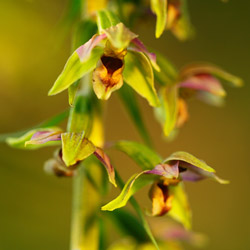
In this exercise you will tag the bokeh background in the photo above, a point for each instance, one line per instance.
(35, 208)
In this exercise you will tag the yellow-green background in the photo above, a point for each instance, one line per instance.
(35, 208)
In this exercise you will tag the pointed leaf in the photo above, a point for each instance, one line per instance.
(159, 7)
(180, 210)
(106, 19)
(19, 142)
(129, 99)
(139, 75)
(142, 155)
(188, 158)
(80, 63)
(135, 183)
(99, 153)
(75, 147)
(168, 110)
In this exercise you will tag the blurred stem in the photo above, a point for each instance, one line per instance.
(138, 210)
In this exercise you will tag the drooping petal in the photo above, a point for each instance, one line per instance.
(81, 62)
(75, 147)
(107, 77)
(206, 68)
(192, 173)
(204, 82)
(41, 138)
(159, 7)
(140, 47)
(119, 36)
(99, 153)
(138, 74)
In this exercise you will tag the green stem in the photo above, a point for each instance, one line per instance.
(78, 211)
(138, 211)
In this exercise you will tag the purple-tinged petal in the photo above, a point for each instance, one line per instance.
(166, 170)
(99, 153)
(140, 47)
(204, 82)
(85, 50)
(189, 172)
(41, 137)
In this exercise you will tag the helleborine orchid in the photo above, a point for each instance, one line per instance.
(200, 80)
(114, 55)
(166, 177)
(75, 147)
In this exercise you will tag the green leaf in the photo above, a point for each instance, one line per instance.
(119, 36)
(129, 225)
(75, 69)
(159, 7)
(146, 158)
(167, 112)
(106, 19)
(186, 157)
(180, 210)
(138, 74)
(75, 147)
(20, 142)
(168, 74)
(135, 183)
(129, 99)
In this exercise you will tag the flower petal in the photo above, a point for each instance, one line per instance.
(204, 82)
(159, 7)
(206, 68)
(166, 170)
(188, 158)
(136, 182)
(75, 147)
(138, 74)
(81, 62)
(140, 47)
(99, 153)
(119, 36)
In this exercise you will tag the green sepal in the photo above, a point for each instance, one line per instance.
(145, 157)
(75, 147)
(188, 158)
(135, 183)
(130, 103)
(106, 19)
(75, 69)
(20, 142)
(167, 112)
(159, 7)
(138, 74)
(180, 210)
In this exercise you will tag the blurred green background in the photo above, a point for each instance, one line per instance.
(35, 208)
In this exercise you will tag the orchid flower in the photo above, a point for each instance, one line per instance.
(113, 56)
(75, 148)
(166, 178)
(201, 80)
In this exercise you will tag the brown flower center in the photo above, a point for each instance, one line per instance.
(111, 63)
